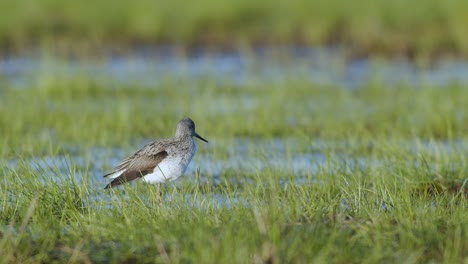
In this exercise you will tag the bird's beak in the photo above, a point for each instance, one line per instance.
(198, 136)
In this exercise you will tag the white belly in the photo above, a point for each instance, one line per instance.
(168, 170)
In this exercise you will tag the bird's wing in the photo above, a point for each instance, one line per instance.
(147, 150)
(138, 168)
(139, 164)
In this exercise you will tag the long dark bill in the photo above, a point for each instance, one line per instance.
(198, 136)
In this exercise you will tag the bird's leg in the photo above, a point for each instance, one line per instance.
(159, 194)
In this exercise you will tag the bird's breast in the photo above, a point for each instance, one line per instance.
(174, 165)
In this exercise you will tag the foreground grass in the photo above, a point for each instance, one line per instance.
(428, 28)
(388, 214)
(407, 202)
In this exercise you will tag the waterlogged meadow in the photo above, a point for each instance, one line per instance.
(305, 164)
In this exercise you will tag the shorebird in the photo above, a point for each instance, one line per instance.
(160, 161)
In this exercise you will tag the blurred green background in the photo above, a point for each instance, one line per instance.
(366, 27)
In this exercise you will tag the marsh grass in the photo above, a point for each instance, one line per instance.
(392, 187)
(365, 214)
(84, 111)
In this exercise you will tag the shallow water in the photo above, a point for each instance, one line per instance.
(324, 66)
(290, 160)
(290, 157)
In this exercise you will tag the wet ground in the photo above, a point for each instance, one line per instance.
(323, 66)
(246, 155)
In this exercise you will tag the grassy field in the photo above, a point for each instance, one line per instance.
(407, 202)
(428, 28)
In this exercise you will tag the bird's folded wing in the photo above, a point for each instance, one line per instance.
(152, 149)
(136, 167)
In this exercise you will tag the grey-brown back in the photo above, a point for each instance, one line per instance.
(147, 158)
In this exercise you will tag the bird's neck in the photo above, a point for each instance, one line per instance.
(183, 136)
